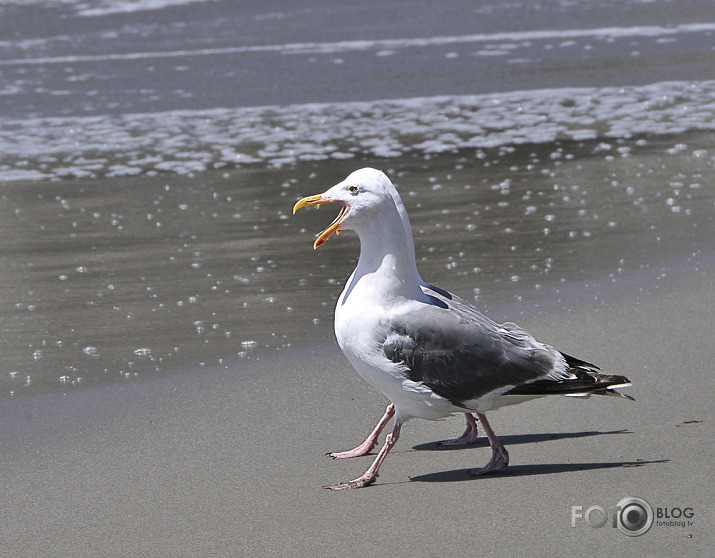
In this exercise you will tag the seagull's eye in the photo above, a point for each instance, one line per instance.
(353, 189)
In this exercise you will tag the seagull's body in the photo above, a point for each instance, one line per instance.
(429, 352)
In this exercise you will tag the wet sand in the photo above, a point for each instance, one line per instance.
(227, 464)
(116, 280)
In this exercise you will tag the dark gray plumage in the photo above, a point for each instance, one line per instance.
(461, 355)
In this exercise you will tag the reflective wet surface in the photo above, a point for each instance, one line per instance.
(115, 279)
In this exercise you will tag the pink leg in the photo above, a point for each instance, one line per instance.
(470, 434)
(371, 474)
(500, 457)
(371, 441)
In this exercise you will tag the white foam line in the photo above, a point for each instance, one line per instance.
(358, 45)
(131, 6)
(185, 141)
(107, 7)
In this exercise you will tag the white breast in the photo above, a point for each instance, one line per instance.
(361, 332)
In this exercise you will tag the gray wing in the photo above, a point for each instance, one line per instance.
(461, 355)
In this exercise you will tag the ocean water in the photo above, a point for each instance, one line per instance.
(151, 152)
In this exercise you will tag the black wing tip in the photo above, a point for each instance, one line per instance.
(574, 362)
(584, 383)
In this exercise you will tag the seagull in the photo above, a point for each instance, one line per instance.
(429, 352)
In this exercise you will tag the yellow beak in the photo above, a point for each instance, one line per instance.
(334, 227)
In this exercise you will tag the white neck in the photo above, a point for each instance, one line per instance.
(386, 268)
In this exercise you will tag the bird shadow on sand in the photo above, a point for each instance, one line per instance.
(482, 442)
(529, 470)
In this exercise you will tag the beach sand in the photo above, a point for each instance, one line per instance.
(226, 464)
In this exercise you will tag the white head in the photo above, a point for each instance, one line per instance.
(368, 199)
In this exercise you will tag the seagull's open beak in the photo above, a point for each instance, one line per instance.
(334, 227)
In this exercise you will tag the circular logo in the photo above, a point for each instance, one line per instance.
(634, 516)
